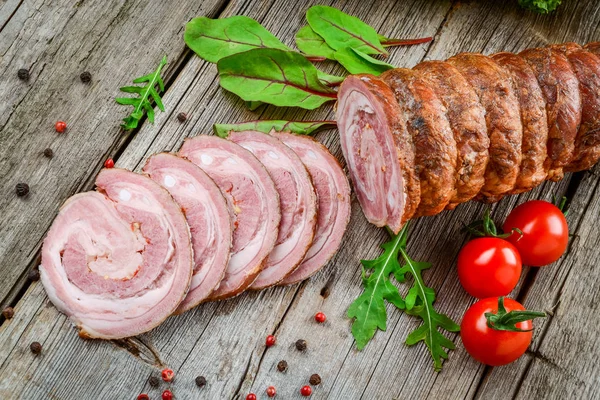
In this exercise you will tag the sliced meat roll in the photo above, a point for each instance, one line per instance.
(207, 215)
(467, 120)
(435, 147)
(118, 261)
(333, 195)
(254, 203)
(494, 87)
(378, 150)
(586, 65)
(534, 163)
(297, 200)
(560, 87)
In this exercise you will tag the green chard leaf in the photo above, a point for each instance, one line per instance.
(330, 80)
(147, 94)
(214, 39)
(312, 44)
(281, 78)
(266, 126)
(340, 30)
(388, 42)
(357, 62)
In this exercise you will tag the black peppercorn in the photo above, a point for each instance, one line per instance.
(282, 366)
(22, 189)
(48, 152)
(182, 117)
(154, 381)
(200, 381)
(35, 348)
(301, 345)
(8, 312)
(85, 77)
(315, 379)
(23, 74)
(34, 275)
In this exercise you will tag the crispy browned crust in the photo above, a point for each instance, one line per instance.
(467, 120)
(534, 165)
(560, 87)
(494, 87)
(435, 148)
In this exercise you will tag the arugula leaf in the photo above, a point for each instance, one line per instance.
(214, 39)
(312, 44)
(146, 94)
(281, 78)
(540, 6)
(266, 126)
(340, 30)
(357, 62)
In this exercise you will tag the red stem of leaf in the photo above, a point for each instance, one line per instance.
(315, 58)
(406, 42)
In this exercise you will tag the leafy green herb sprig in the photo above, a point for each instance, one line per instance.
(147, 94)
(540, 6)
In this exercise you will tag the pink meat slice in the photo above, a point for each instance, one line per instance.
(297, 201)
(207, 215)
(333, 195)
(254, 203)
(118, 261)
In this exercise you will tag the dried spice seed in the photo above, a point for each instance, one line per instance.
(143, 396)
(200, 381)
(154, 381)
(301, 345)
(320, 317)
(271, 392)
(34, 275)
(167, 375)
(60, 126)
(282, 366)
(315, 379)
(22, 189)
(270, 341)
(167, 395)
(251, 396)
(109, 163)
(23, 74)
(85, 77)
(48, 152)
(8, 312)
(182, 117)
(306, 391)
(35, 347)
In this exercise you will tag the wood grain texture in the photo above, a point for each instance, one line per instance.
(224, 341)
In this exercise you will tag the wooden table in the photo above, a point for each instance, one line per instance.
(116, 40)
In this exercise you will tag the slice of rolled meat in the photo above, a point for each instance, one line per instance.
(378, 150)
(467, 120)
(586, 65)
(435, 147)
(534, 163)
(207, 215)
(333, 195)
(493, 85)
(118, 261)
(560, 87)
(297, 200)
(253, 201)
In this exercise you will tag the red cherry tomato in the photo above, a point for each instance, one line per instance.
(490, 346)
(489, 267)
(545, 232)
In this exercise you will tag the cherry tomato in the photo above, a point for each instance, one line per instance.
(489, 267)
(545, 232)
(490, 346)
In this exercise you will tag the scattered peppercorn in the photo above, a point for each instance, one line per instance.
(301, 345)
(143, 396)
(23, 74)
(22, 189)
(153, 381)
(35, 348)
(8, 312)
(200, 381)
(60, 126)
(315, 379)
(34, 275)
(109, 163)
(48, 152)
(167, 375)
(251, 396)
(167, 395)
(271, 392)
(320, 317)
(270, 341)
(85, 77)
(306, 391)
(282, 366)
(182, 117)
